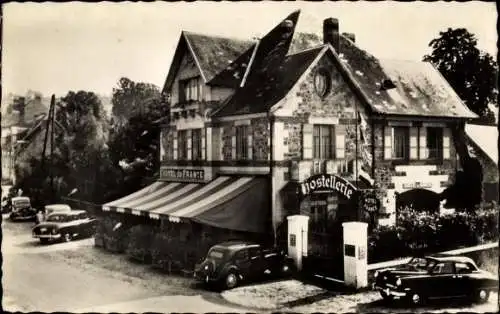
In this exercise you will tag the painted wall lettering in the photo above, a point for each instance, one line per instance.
(328, 182)
(182, 175)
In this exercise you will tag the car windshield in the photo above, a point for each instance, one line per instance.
(58, 218)
(216, 253)
(420, 263)
(21, 204)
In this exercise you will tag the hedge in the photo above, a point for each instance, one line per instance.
(421, 232)
(139, 244)
(112, 234)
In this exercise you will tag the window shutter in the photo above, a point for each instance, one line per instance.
(162, 148)
(175, 145)
(388, 142)
(423, 143)
(209, 144)
(446, 143)
(250, 148)
(233, 147)
(203, 144)
(413, 143)
(340, 141)
(189, 144)
(307, 141)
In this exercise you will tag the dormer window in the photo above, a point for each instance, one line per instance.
(190, 89)
(322, 83)
(387, 84)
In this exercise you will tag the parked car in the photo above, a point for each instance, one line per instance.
(436, 277)
(229, 263)
(65, 226)
(21, 209)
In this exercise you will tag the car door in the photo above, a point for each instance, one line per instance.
(443, 281)
(464, 285)
(242, 262)
(257, 262)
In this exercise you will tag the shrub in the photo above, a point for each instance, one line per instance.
(421, 232)
(139, 242)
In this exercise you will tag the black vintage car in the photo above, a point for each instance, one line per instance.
(21, 209)
(229, 263)
(64, 226)
(436, 277)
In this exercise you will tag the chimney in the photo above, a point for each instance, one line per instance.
(331, 33)
(350, 36)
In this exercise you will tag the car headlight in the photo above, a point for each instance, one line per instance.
(376, 274)
(398, 282)
(54, 231)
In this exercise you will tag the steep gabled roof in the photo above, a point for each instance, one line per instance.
(212, 54)
(484, 136)
(277, 82)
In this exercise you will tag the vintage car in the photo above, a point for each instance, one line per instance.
(65, 226)
(436, 277)
(21, 209)
(229, 263)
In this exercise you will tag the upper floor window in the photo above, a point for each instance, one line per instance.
(401, 143)
(323, 141)
(435, 143)
(242, 142)
(196, 142)
(190, 89)
(182, 144)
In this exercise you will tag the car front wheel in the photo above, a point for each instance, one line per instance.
(44, 241)
(231, 280)
(386, 297)
(482, 296)
(415, 298)
(67, 237)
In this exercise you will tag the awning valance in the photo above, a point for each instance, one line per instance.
(237, 203)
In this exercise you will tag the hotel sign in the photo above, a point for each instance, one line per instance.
(417, 185)
(328, 182)
(182, 175)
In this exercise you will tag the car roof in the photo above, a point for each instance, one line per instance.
(236, 244)
(57, 206)
(70, 213)
(452, 258)
(20, 198)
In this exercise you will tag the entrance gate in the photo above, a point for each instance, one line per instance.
(329, 201)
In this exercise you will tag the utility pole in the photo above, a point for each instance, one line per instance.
(49, 128)
(53, 107)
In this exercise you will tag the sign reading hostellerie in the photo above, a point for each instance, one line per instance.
(327, 182)
(184, 175)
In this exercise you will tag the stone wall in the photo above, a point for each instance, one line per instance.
(389, 175)
(258, 128)
(340, 103)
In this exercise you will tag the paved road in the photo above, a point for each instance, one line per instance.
(39, 278)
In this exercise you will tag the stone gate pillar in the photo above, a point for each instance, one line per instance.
(298, 229)
(355, 254)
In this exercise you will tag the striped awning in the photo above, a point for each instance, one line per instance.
(222, 202)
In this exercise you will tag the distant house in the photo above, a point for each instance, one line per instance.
(23, 127)
(17, 119)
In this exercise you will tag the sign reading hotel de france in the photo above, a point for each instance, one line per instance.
(182, 175)
(328, 182)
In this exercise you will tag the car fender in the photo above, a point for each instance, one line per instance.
(230, 268)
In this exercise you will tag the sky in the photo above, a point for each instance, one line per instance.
(58, 47)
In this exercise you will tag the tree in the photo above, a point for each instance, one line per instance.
(131, 97)
(85, 142)
(134, 138)
(471, 72)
